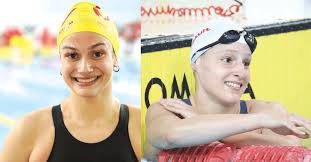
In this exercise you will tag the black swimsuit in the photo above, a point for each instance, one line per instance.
(115, 148)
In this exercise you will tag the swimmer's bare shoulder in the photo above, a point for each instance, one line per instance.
(134, 129)
(30, 139)
(255, 106)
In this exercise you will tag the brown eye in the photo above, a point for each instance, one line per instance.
(227, 60)
(98, 54)
(247, 63)
(72, 56)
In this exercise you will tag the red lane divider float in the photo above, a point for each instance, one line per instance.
(219, 152)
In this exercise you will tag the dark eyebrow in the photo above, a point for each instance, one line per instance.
(69, 47)
(97, 44)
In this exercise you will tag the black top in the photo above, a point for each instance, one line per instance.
(243, 107)
(115, 148)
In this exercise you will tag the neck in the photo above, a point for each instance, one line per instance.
(100, 107)
(207, 104)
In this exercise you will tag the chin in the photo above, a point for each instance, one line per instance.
(231, 99)
(86, 93)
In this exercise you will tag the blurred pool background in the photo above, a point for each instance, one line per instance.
(29, 61)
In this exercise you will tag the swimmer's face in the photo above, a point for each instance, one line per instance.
(223, 72)
(87, 61)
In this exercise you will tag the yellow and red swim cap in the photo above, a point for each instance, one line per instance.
(88, 17)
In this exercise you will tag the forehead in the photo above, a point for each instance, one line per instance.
(234, 48)
(84, 40)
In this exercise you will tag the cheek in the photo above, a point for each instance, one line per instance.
(211, 76)
(219, 73)
(67, 67)
(105, 66)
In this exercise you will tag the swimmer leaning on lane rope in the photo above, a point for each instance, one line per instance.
(220, 58)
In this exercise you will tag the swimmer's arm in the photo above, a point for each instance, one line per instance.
(18, 145)
(262, 137)
(151, 152)
(165, 130)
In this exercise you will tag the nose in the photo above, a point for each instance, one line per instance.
(240, 70)
(84, 66)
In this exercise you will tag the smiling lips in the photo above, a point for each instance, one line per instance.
(234, 85)
(86, 81)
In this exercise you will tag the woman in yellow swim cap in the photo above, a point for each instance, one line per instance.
(91, 124)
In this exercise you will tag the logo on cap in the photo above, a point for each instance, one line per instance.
(97, 12)
(200, 33)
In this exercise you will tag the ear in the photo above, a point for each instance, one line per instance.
(60, 68)
(195, 65)
(115, 60)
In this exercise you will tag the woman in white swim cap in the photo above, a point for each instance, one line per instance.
(220, 58)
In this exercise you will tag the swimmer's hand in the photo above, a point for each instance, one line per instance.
(276, 118)
(178, 107)
(296, 121)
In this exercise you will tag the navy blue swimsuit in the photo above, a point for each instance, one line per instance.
(243, 107)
